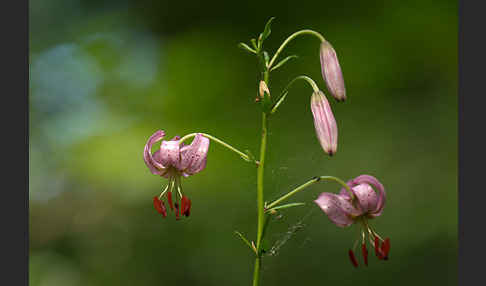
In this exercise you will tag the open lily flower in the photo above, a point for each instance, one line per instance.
(361, 205)
(174, 160)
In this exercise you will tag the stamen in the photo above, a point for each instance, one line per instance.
(169, 198)
(353, 258)
(177, 211)
(365, 253)
(385, 247)
(183, 205)
(164, 191)
(377, 248)
(188, 208)
(159, 206)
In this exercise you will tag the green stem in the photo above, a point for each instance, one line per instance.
(290, 38)
(260, 171)
(260, 198)
(243, 155)
(307, 184)
(256, 272)
(307, 79)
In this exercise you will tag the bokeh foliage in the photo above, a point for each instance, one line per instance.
(105, 75)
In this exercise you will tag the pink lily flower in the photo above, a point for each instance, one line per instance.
(174, 160)
(365, 203)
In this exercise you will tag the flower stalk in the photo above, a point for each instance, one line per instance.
(221, 142)
(308, 184)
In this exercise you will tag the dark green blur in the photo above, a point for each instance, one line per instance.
(105, 75)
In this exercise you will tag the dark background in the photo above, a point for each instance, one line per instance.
(104, 75)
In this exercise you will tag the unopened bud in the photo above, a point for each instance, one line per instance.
(263, 88)
(324, 122)
(331, 71)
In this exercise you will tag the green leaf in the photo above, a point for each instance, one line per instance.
(279, 101)
(254, 43)
(266, 57)
(267, 30)
(266, 102)
(246, 48)
(286, 206)
(240, 235)
(282, 62)
(251, 157)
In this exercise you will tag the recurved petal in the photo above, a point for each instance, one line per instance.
(194, 156)
(170, 153)
(378, 186)
(337, 208)
(367, 197)
(155, 166)
(324, 122)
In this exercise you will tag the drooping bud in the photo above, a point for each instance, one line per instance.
(262, 89)
(324, 122)
(364, 251)
(331, 71)
(353, 258)
(159, 206)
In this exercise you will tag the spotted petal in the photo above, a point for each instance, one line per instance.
(367, 197)
(170, 153)
(337, 208)
(194, 156)
(155, 166)
(367, 179)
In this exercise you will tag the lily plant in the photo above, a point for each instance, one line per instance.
(359, 200)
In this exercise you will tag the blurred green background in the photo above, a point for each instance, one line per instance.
(104, 75)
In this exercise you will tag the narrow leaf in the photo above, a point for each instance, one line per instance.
(246, 48)
(282, 62)
(279, 101)
(254, 43)
(286, 206)
(243, 238)
(267, 30)
(266, 57)
(251, 157)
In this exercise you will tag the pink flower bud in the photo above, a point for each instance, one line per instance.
(331, 72)
(324, 122)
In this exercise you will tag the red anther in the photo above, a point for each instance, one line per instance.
(176, 206)
(353, 258)
(159, 206)
(365, 253)
(164, 210)
(169, 198)
(377, 248)
(188, 208)
(183, 204)
(385, 247)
